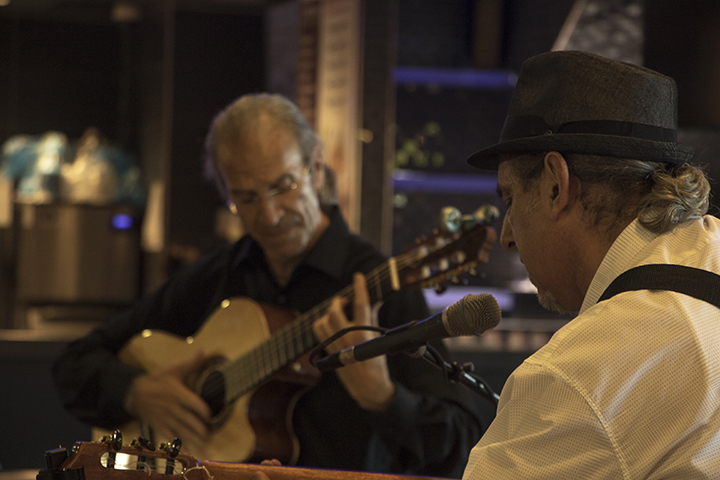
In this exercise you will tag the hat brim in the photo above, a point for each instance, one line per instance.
(591, 144)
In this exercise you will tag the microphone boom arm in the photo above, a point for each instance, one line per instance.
(458, 374)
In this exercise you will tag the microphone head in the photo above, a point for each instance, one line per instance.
(472, 315)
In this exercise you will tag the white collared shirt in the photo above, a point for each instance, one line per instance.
(629, 389)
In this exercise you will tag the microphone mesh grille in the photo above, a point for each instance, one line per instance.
(472, 315)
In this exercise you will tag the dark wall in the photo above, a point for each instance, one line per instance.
(217, 59)
(435, 34)
(682, 40)
(530, 28)
(31, 417)
(440, 34)
(60, 76)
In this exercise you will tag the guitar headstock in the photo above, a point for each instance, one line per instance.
(109, 457)
(450, 253)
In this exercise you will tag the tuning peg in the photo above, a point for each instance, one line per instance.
(173, 448)
(114, 440)
(487, 214)
(443, 264)
(468, 367)
(450, 219)
(142, 442)
(459, 257)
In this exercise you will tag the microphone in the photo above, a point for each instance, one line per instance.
(472, 315)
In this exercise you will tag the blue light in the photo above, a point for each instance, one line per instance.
(122, 221)
(445, 77)
(415, 181)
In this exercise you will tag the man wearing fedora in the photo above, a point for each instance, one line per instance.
(608, 216)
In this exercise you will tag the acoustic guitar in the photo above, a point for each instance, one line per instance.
(259, 364)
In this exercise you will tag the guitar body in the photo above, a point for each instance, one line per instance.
(259, 424)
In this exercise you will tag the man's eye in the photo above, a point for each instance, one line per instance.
(284, 184)
(246, 199)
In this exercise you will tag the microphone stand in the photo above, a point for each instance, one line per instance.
(459, 374)
(455, 372)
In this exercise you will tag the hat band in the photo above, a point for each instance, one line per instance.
(522, 126)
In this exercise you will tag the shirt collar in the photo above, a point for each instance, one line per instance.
(330, 251)
(619, 258)
(327, 255)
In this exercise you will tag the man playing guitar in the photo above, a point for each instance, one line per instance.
(393, 414)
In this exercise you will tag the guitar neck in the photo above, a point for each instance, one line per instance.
(428, 264)
(296, 338)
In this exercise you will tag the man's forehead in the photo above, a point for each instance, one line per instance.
(251, 170)
(505, 178)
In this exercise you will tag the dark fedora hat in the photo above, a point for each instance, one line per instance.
(579, 102)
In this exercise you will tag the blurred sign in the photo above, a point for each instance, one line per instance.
(6, 202)
(338, 99)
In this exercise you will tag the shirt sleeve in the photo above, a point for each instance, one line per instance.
(545, 428)
(92, 382)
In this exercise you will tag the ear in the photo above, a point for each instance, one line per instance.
(317, 166)
(557, 176)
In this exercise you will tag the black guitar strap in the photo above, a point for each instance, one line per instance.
(695, 282)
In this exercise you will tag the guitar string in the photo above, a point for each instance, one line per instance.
(199, 467)
(252, 368)
(276, 352)
(257, 365)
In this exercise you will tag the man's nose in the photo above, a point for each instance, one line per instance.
(269, 211)
(506, 236)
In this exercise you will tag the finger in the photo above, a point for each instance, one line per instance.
(171, 431)
(194, 403)
(321, 326)
(168, 403)
(188, 402)
(182, 424)
(336, 319)
(195, 415)
(361, 305)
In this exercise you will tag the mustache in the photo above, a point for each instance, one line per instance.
(289, 220)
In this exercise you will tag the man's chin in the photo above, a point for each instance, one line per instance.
(548, 301)
(289, 246)
(279, 240)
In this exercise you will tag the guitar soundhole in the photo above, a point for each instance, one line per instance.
(213, 391)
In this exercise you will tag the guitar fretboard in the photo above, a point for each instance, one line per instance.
(296, 338)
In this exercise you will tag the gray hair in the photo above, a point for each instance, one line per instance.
(660, 196)
(233, 124)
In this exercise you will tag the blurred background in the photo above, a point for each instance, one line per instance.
(104, 106)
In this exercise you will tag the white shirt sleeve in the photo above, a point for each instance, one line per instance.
(545, 428)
